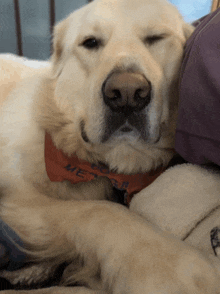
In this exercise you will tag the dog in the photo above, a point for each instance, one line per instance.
(108, 100)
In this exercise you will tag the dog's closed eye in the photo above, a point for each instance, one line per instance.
(151, 40)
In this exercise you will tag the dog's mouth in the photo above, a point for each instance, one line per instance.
(126, 127)
(118, 126)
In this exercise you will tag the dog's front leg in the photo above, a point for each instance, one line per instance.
(100, 188)
(117, 246)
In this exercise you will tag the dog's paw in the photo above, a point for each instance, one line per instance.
(165, 269)
(29, 276)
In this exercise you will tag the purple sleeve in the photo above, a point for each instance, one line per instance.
(198, 125)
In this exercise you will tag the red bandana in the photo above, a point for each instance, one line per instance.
(60, 167)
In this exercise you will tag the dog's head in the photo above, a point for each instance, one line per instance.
(116, 66)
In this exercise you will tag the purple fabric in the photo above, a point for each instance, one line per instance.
(198, 125)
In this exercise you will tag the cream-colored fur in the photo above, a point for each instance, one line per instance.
(113, 249)
(13, 69)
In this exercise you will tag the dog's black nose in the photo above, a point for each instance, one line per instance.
(126, 92)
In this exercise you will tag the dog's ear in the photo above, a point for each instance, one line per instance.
(58, 45)
(188, 29)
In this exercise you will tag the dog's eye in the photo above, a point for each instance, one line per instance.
(91, 43)
(151, 40)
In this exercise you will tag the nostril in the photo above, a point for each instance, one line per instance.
(142, 93)
(117, 94)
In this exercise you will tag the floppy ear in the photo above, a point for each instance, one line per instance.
(188, 30)
(58, 45)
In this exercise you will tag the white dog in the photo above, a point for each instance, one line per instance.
(104, 108)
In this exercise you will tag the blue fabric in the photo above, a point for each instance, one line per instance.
(11, 257)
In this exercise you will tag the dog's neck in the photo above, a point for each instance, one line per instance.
(60, 167)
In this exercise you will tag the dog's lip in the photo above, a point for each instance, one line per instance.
(126, 129)
(83, 132)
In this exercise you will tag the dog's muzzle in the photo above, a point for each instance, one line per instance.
(126, 95)
(126, 92)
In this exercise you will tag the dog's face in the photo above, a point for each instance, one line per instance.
(116, 65)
